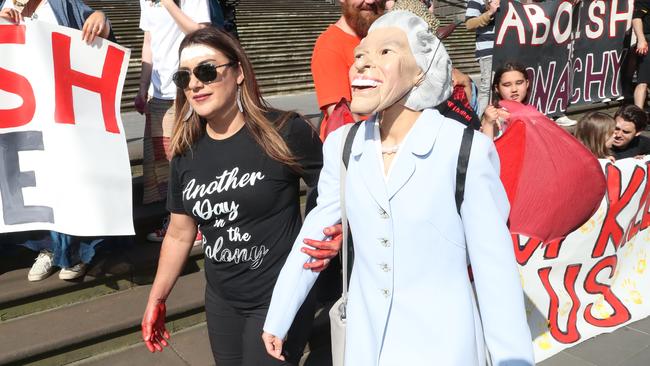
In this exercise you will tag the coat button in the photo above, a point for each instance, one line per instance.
(384, 242)
(384, 267)
(385, 292)
(383, 214)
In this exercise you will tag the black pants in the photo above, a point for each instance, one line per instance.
(236, 335)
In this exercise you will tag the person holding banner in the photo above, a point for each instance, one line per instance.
(69, 13)
(235, 172)
(165, 23)
(70, 253)
(410, 299)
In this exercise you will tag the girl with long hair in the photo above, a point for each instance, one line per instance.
(235, 173)
(510, 83)
(596, 131)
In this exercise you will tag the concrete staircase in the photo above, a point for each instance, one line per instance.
(278, 36)
(56, 322)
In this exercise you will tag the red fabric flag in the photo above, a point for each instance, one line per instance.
(554, 184)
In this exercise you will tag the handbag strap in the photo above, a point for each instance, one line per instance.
(347, 251)
(461, 166)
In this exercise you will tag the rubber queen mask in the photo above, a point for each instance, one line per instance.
(400, 61)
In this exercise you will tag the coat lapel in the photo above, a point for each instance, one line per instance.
(418, 144)
(364, 150)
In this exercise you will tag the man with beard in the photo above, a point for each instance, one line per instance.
(334, 54)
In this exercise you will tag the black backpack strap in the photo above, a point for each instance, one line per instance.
(461, 167)
(347, 148)
(347, 151)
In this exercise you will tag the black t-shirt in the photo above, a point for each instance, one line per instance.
(641, 10)
(639, 145)
(247, 206)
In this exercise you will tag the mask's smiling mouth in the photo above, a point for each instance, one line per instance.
(361, 84)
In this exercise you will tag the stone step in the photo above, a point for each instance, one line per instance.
(83, 329)
(189, 346)
(114, 268)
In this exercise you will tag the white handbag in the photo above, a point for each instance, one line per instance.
(337, 312)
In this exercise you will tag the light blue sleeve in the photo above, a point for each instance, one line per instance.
(499, 291)
(295, 282)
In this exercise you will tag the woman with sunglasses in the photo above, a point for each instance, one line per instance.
(235, 173)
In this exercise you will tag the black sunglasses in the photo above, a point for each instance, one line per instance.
(206, 73)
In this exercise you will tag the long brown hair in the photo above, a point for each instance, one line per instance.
(593, 130)
(256, 110)
(507, 67)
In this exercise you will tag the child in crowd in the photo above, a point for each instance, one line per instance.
(510, 83)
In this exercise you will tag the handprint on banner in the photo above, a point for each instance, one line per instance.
(544, 341)
(634, 295)
(601, 309)
(590, 225)
(642, 263)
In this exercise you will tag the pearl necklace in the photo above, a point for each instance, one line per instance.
(390, 150)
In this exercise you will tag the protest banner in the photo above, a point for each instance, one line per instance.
(65, 165)
(596, 279)
(574, 54)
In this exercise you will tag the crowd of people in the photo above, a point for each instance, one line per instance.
(211, 140)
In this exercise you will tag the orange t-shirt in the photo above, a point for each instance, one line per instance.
(330, 65)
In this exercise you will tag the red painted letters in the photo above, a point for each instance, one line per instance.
(15, 84)
(65, 78)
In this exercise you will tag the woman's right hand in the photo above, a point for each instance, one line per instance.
(490, 121)
(11, 15)
(154, 333)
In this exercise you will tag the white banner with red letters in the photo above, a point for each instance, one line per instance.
(63, 153)
(596, 280)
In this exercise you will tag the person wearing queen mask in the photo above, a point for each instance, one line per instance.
(410, 301)
(235, 172)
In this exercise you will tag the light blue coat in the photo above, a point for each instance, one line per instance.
(410, 299)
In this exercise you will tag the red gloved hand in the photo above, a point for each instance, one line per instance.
(324, 250)
(154, 332)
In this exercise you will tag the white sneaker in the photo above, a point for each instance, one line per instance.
(76, 271)
(158, 235)
(565, 121)
(42, 268)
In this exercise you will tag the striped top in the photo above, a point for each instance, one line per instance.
(484, 35)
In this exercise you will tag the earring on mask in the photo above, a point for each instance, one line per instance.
(189, 113)
(239, 105)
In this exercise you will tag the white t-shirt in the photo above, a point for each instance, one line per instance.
(166, 38)
(43, 13)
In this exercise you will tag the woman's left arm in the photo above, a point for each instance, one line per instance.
(294, 281)
(484, 213)
(198, 14)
